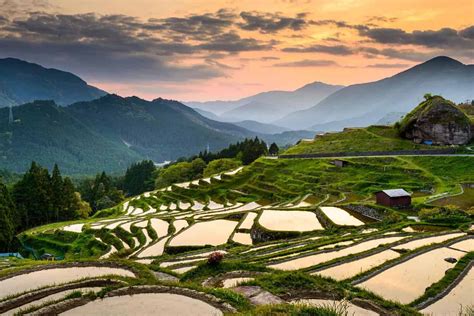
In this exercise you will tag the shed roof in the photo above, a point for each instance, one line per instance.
(396, 193)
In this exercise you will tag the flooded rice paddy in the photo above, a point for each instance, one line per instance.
(155, 249)
(351, 269)
(248, 221)
(461, 295)
(75, 228)
(427, 241)
(464, 245)
(340, 217)
(312, 260)
(242, 238)
(160, 226)
(49, 277)
(50, 299)
(213, 233)
(146, 304)
(301, 221)
(408, 280)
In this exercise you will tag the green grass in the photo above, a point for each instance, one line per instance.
(372, 138)
(299, 310)
(465, 200)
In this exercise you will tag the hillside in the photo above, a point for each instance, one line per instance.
(437, 120)
(108, 134)
(299, 226)
(268, 106)
(372, 138)
(367, 103)
(48, 134)
(22, 82)
(160, 130)
(258, 127)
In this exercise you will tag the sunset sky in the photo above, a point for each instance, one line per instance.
(207, 50)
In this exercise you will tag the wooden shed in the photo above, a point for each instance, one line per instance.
(393, 198)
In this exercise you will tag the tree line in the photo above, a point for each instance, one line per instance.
(40, 198)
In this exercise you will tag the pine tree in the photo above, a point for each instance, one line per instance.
(32, 196)
(58, 199)
(7, 224)
(139, 177)
(273, 149)
(70, 204)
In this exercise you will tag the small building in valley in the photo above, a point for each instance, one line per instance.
(393, 198)
(339, 163)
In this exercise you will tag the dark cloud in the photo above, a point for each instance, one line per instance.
(327, 49)
(467, 32)
(120, 46)
(443, 38)
(13, 8)
(340, 24)
(384, 19)
(388, 66)
(404, 54)
(265, 58)
(308, 63)
(3, 20)
(195, 26)
(271, 22)
(232, 42)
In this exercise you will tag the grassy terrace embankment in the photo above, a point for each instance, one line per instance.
(372, 138)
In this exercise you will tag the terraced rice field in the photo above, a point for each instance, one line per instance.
(300, 221)
(50, 299)
(340, 217)
(242, 238)
(407, 281)
(178, 227)
(351, 269)
(48, 277)
(460, 296)
(248, 221)
(312, 260)
(205, 233)
(428, 241)
(154, 250)
(146, 304)
(75, 228)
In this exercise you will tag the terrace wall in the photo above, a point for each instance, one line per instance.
(446, 151)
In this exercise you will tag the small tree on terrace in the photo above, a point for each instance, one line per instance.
(273, 150)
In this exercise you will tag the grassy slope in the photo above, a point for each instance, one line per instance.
(372, 138)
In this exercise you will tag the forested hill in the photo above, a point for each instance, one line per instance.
(107, 134)
(22, 82)
(159, 130)
(48, 134)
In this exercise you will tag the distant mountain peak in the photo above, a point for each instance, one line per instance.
(442, 60)
(22, 82)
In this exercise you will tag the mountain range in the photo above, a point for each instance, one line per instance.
(107, 134)
(268, 106)
(321, 107)
(22, 82)
(365, 104)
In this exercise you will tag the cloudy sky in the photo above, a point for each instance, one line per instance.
(227, 49)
